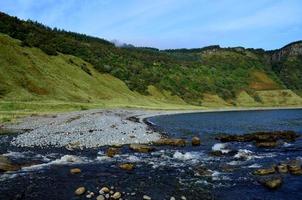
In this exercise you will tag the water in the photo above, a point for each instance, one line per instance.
(168, 171)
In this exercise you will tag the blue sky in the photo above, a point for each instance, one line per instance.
(267, 24)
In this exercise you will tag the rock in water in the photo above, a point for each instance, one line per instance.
(7, 165)
(196, 141)
(273, 183)
(100, 197)
(75, 171)
(116, 195)
(127, 166)
(80, 191)
(263, 172)
(112, 151)
(266, 144)
(104, 190)
(171, 142)
(141, 148)
(146, 197)
(295, 168)
(282, 168)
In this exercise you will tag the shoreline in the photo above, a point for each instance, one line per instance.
(98, 127)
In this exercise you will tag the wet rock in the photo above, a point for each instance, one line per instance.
(203, 171)
(146, 197)
(294, 167)
(100, 197)
(127, 166)
(216, 153)
(266, 171)
(266, 144)
(75, 171)
(273, 183)
(282, 168)
(263, 139)
(183, 198)
(141, 148)
(172, 198)
(104, 190)
(112, 151)
(7, 165)
(116, 195)
(80, 191)
(171, 142)
(196, 141)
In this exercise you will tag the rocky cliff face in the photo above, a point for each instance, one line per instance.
(293, 49)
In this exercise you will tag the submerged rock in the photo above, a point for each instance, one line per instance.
(266, 171)
(127, 166)
(141, 148)
(171, 142)
(79, 191)
(75, 171)
(7, 165)
(273, 183)
(282, 168)
(261, 139)
(112, 151)
(294, 167)
(196, 141)
(100, 197)
(266, 144)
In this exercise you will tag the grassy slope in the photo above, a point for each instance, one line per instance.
(31, 81)
(34, 82)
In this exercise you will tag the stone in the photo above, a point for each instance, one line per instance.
(141, 148)
(112, 151)
(75, 171)
(203, 171)
(282, 168)
(104, 190)
(183, 198)
(266, 171)
(116, 195)
(7, 165)
(80, 191)
(172, 198)
(171, 142)
(146, 197)
(100, 197)
(266, 144)
(273, 183)
(127, 166)
(196, 141)
(295, 168)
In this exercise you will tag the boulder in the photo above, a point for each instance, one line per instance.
(141, 148)
(146, 197)
(127, 166)
(7, 165)
(100, 197)
(75, 171)
(282, 168)
(266, 171)
(196, 141)
(112, 151)
(273, 183)
(116, 195)
(104, 190)
(266, 144)
(79, 191)
(295, 168)
(171, 142)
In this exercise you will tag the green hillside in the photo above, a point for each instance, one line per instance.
(44, 69)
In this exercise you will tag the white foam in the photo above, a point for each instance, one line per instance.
(221, 147)
(244, 154)
(254, 166)
(185, 156)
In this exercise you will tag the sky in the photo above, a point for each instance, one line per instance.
(169, 24)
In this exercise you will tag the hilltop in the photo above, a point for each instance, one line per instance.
(76, 71)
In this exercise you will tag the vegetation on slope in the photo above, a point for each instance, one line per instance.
(188, 74)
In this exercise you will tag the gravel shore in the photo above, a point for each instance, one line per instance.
(85, 129)
(93, 128)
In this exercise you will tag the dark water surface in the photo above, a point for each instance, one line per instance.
(168, 171)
